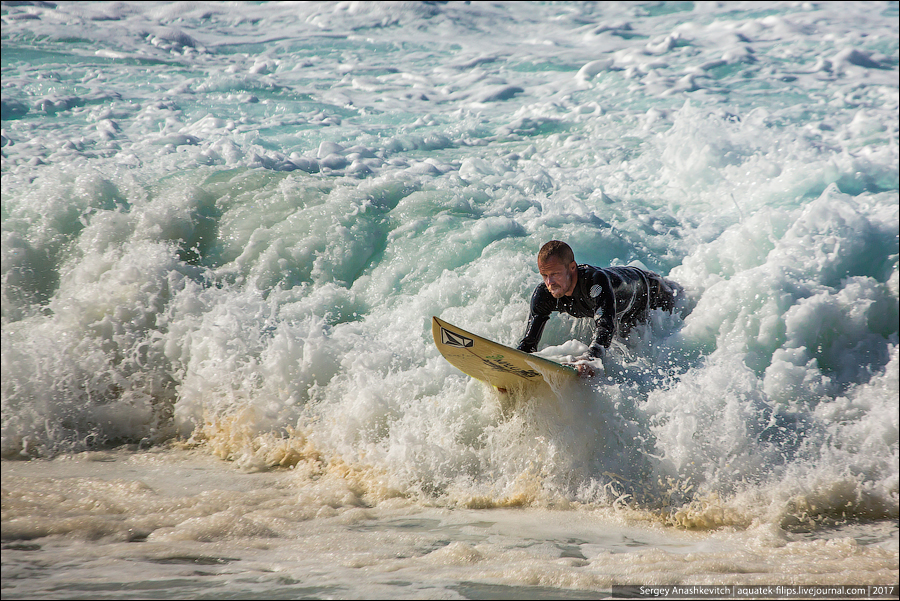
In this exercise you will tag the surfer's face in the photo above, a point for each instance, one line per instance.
(558, 277)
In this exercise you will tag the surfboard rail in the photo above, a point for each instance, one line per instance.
(496, 364)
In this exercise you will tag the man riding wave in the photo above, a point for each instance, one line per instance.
(617, 298)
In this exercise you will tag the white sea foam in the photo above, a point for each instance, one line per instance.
(230, 224)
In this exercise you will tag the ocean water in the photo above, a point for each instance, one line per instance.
(226, 227)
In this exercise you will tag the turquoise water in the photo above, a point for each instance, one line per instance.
(226, 227)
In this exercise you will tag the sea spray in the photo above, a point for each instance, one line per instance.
(215, 237)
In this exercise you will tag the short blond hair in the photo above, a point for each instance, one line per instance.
(555, 248)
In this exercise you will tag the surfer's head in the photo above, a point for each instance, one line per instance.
(557, 266)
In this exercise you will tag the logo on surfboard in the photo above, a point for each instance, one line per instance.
(453, 339)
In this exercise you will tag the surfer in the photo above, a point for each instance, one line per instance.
(617, 298)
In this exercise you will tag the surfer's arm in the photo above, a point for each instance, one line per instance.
(604, 317)
(604, 329)
(533, 332)
(538, 316)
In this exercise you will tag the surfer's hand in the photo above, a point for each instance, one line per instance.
(588, 363)
(585, 366)
(585, 370)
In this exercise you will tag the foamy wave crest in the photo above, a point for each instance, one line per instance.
(230, 225)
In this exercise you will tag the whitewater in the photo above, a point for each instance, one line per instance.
(226, 227)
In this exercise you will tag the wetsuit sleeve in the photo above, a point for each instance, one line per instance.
(604, 314)
(538, 316)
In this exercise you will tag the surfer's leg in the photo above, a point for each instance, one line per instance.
(663, 293)
(681, 302)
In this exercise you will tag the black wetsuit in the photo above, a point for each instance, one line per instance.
(616, 297)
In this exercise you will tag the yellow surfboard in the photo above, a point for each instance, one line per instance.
(498, 365)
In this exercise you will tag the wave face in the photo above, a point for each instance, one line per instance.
(230, 225)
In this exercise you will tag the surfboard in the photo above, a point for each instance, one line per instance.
(494, 363)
